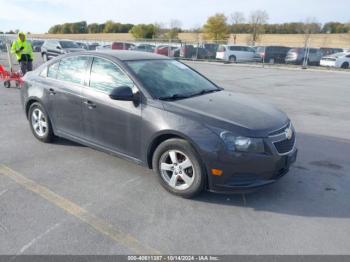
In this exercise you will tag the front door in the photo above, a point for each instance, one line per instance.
(112, 124)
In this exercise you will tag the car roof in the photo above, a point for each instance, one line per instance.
(127, 55)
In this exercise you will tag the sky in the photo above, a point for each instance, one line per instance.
(37, 16)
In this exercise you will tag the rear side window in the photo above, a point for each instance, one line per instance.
(221, 49)
(105, 76)
(235, 48)
(72, 69)
(52, 70)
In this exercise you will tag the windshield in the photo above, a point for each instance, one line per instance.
(166, 79)
(68, 44)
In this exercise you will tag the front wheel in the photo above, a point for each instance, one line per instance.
(179, 168)
(40, 123)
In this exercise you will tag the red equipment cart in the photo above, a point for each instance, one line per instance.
(10, 76)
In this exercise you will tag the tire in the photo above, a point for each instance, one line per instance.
(345, 65)
(179, 168)
(7, 84)
(40, 123)
(232, 59)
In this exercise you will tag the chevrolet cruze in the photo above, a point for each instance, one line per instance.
(164, 115)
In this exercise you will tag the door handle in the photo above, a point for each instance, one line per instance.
(52, 91)
(89, 104)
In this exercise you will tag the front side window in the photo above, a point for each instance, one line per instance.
(72, 69)
(105, 76)
(168, 78)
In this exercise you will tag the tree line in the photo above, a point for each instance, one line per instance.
(217, 27)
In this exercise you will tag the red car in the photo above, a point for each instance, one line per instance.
(122, 46)
(165, 50)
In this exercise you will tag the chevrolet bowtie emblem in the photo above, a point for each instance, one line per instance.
(289, 133)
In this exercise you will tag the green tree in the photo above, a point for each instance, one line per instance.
(142, 31)
(93, 28)
(79, 27)
(111, 27)
(216, 27)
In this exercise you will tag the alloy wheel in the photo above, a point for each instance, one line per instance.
(177, 169)
(39, 122)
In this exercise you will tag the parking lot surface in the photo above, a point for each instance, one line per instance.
(64, 198)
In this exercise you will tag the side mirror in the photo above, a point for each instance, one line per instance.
(58, 47)
(123, 93)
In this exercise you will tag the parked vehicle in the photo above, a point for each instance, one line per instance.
(93, 46)
(2, 46)
(53, 48)
(82, 45)
(187, 51)
(329, 51)
(271, 54)
(235, 53)
(122, 46)
(164, 50)
(205, 51)
(312, 56)
(340, 60)
(103, 47)
(144, 48)
(36, 45)
(162, 114)
(211, 50)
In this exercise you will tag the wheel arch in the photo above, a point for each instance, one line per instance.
(163, 136)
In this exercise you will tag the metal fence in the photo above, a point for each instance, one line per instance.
(212, 51)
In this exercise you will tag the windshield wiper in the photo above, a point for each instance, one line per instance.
(173, 97)
(205, 92)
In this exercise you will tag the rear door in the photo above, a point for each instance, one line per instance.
(66, 95)
(112, 124)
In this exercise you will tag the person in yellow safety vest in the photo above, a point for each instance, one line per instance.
(24, 53)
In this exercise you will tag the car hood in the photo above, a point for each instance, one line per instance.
(234, 112)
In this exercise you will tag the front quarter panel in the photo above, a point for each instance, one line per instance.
(158, 122)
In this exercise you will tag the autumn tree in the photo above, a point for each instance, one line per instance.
(216, 27)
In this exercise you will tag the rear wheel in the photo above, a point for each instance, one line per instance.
(179, 168)
(232, 59)
(345, 65)
(7, 84)
(40, 123)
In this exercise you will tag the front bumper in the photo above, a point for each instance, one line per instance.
(245, 172)
(252, 173)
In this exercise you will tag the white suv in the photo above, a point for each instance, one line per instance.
(235, 53)
(341, 60)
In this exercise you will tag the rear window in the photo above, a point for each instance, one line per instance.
(68, 44)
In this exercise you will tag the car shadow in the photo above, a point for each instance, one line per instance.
(316, 186)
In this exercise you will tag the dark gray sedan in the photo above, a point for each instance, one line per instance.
(162, 114)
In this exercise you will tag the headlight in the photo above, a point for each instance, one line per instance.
(242, 144)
